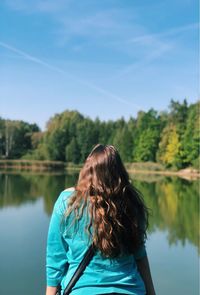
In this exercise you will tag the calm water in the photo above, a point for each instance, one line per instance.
(26, 203)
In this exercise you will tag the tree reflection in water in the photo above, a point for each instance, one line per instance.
(173, 202)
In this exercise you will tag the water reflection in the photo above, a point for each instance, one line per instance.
(16, 189)
(174, 202)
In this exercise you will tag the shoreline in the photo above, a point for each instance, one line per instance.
(181, 174)
(62, 167)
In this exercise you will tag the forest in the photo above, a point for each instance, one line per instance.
(170, 137)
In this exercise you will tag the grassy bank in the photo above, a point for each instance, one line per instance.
(31, 165)
(55, 166)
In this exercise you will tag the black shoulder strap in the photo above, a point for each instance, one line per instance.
(80, 269)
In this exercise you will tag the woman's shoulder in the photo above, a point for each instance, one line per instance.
(66, 193)
(70, 189)
(61, 202)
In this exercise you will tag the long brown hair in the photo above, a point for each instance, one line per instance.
(117, 213)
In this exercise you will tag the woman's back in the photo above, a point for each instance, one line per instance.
(102, 275)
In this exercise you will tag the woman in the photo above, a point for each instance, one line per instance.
(103, 208)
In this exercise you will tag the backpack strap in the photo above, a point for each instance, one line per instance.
(80, 269)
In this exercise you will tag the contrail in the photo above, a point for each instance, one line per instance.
(59, 70)
(152, 39)
(172, 31)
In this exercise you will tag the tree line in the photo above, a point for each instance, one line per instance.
(169, 137)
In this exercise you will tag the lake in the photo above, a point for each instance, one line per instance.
(26, 203)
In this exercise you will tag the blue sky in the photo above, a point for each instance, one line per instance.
(103, 58)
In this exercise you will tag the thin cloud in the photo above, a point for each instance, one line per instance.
(156, 47)
(60, 71)
(103, 23)
(170, 32)
(46, 6)
(150, 57)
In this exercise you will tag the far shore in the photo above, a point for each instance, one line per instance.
(59, 166)
(187, 174)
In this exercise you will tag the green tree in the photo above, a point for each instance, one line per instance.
(106, 131)
(178, 115)
(147, 135)
(87, 137)
(16, 138)
(60, 131)
(73, 152)
(191, 136)
(2, 137)
(124, 143)
(147, 145)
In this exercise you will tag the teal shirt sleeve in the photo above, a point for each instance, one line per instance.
(56, 258)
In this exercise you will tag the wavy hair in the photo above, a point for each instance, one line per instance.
(117, 214)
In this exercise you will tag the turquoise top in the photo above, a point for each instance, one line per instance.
(65, 251)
